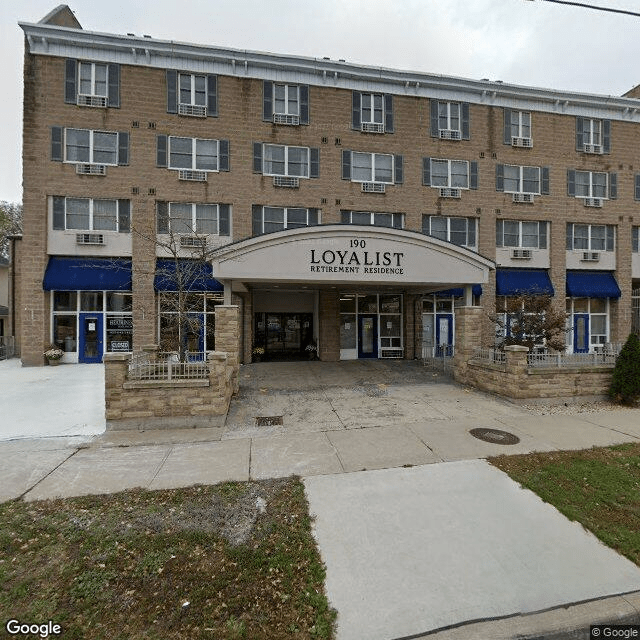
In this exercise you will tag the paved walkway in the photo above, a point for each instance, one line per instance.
(408, 550)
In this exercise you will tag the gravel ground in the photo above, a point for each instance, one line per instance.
(573, 408)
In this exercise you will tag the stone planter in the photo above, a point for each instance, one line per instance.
(54, 362)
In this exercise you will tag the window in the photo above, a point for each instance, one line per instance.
(191, 217)
(281, 160)
(634, 239)
(193, 153)
(393, 220)
(590, 237)
(92, 147)
(517, 125)
(190, 94)
(87, 214)
(450, 173)
(372, 167)
(91, 84)
(591, 184)
(459, 231)
(372, 112)
(450, 120)
(521, 234)
(593, 135)
(371, 108)
(597, 310)
(193, 89)
(519, 179)
(268, 219)
(285, 103)
(286, 99)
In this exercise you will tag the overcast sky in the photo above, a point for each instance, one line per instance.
(527, 42)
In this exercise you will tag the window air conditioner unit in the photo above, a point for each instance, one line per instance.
(194, 176)
(526, 143)
(449, 134)
(372, 127)
(288, 182)
(590, 256)
(193, 241)
(92, 101)
(521, 254)
(593, 202)
(449, 192)
(91, 169)
(196, 110)
(593, 148)
(523, 197)
(89, 238)
(373, 187)
(283, 118)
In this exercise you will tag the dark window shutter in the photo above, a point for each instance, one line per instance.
(388, 113)
(356, 102)
(224, 221)
(256, 219)
(610, 231)
(304, 103)
(466, 121)
(499, 177)
(161, 151)
(346, 164)
(257, 157)
(124, 216)
(223, 155)
(579, 134)
(267, 101)
(70, 81)
(345, 216)
(399, 169)
(542, 234)
(123, 147)
(473, 175)
(613, 186)
(212, 96)
(172, 91)
(162, 217)
(606, 136)
(425, 224)
(57, 136)
(634, 239)
(314, 165)
(544, 187)
(426, 172)
(637, 187)
(571, 182)
(114, 85)
(313, 217)
(570, 236)
(58, 213)
(507, 127)
(434, 118)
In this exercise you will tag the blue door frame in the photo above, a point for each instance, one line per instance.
(91, 338)
(581, 334)
(444, 333)
(194, 320)
(368, 336)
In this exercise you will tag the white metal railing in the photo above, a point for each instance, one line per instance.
(431, 352)
(7, 347)
(489, 356)
(167, 366)
(606, 355)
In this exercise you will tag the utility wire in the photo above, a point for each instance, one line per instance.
(593, 6)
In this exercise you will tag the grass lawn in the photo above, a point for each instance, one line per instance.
(599, 488)
(231, 561)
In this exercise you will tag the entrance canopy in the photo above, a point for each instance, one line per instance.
(349, 256)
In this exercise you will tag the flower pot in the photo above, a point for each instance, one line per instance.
(54, 362)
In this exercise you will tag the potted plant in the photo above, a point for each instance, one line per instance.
(258, 352)
(311, 350)
(53, 355)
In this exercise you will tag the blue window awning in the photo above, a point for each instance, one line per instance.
(87, 274)
(514, 282)
(592, 284)
(458, 292)
(197, 276)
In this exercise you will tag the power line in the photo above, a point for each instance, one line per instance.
(593, 6)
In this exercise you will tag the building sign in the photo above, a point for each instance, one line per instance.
(357, 260)
(120, 346)
(121, 324)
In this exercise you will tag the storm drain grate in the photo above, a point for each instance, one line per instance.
(495, 436)
(268, 421)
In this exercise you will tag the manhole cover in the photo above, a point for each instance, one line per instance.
(268, 421)
(495, 436)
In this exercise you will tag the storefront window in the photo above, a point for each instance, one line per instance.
(65, 301)
(347, 304)
(348, 331)
(91, 301)
(389, 304)
(368, 304)
(64, 332)
(119, 333)
(119, 301)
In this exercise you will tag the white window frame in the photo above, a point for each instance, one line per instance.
(601, 338)
(449, 173)
(192, 90)
(372, 218)
(469, 222)
(591, 194)
(92, 149)
(449, 117)
(591, 238)
(194, 157)
(592, 131)
(372, 177)
(520, 178)
(194, 218)
(371, 97)
(286, 148)
(286, 223)
(91, 227)
(500, 243)
(518, 129)
(288, 88)
(93, 66)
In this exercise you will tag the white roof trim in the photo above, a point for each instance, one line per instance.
(145, 51)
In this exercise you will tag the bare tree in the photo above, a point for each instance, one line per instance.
(10, 224)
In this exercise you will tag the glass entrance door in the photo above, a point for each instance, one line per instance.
(91, 346)
(444, 333)
(367, 336)
(284, 336)
(581, 333)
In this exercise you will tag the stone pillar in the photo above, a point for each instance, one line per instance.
(228, 337)
(329, 333)
(516, 359)
(468, 339)
(217, 362)
(115, 375)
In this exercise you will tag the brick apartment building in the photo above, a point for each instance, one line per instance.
(346, 206)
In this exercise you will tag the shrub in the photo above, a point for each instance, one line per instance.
(625, 386)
